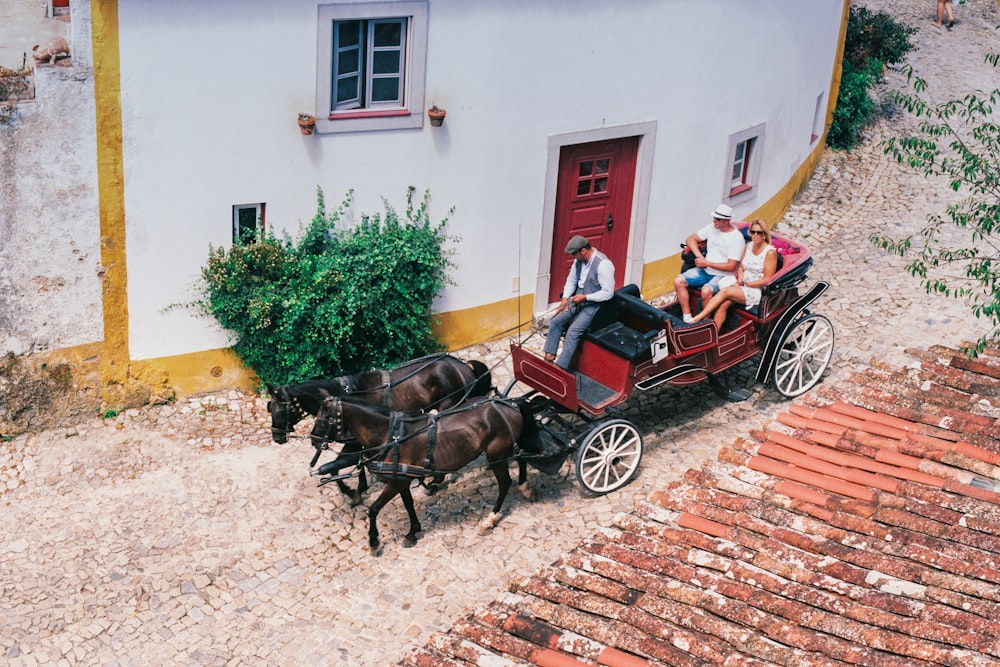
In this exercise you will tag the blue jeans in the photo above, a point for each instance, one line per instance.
(573, 323)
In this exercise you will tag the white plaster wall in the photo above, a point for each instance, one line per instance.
(50, 293)
(211, 92)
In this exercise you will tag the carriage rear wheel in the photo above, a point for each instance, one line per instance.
(609, 456)
(803, 355)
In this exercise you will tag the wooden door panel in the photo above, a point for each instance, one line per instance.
(596, 181)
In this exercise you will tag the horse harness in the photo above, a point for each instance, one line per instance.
(395, 470)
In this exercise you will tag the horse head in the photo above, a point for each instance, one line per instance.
(482, 378)
(285, 413)
(329, 423)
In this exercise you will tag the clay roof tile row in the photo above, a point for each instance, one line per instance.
(863, 530)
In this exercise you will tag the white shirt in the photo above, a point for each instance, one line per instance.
(722, 247)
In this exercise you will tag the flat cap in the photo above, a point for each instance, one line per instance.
(576, 244)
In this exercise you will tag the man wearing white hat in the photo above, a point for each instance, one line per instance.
(591, 280)
(722, 257)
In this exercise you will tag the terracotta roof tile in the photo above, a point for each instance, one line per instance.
(864, 529)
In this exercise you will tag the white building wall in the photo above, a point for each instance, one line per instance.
(211, 91)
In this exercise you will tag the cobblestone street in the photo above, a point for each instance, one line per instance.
(182, 535)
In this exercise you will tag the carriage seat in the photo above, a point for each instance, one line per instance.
(626, 325)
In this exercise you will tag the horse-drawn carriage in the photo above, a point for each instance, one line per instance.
(629, 345)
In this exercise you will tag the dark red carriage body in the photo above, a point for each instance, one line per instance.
(634, 345)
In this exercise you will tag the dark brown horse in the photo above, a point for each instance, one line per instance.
(437, 381)
(402, 447)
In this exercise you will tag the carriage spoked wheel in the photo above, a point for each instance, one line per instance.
(803, 355)
(609, 456)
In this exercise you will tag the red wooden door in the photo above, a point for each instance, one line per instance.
(594, 199)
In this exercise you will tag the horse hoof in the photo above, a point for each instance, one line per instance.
(355, 500)
(376, 549)
(409, 542)
(432, 488)
(526, 491)
(487, 524)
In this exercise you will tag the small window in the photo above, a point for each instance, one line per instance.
(743, 164)
(370, 74)
(819, 119)
(248, 223)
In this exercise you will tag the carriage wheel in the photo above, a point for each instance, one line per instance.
(805, 352)
(609, 456)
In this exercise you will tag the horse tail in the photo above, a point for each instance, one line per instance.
(482, 378)
(529, 439)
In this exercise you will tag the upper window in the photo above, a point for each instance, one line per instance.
(743, 165)
(372, 57)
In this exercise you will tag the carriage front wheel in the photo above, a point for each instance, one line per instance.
(609, 456)
(803, 355)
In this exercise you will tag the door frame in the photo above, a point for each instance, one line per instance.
(646, 132)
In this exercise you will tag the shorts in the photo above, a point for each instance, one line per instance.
(698, 277)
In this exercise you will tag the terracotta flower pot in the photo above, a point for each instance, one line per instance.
(307, 124)
(436, 115)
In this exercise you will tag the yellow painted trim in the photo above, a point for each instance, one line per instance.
(460, 328)
(195, 373)
(114, 358)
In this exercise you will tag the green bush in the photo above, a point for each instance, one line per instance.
(336, 300)
(855, 105)
(873, 37)
(871, 42)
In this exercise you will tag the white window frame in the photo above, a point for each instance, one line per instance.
(258, 217)
(819, 119)
(405, 113)
(744, 158)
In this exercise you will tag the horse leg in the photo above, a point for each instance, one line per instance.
(433, 486)
(523, 487)
(411, 537)
(502, 473)
(388, 493)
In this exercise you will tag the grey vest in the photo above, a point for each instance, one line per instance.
(591, 284)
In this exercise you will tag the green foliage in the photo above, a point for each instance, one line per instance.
(872, 41)
(960, 140)
(854, 107)
(874, 37)
(336, 300)
(109, 412)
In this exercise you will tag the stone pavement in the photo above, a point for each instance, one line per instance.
(181, 535)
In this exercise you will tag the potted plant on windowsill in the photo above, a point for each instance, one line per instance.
(307, 123)
(436, 115)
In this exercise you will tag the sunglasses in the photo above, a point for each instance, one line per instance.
(756, 231)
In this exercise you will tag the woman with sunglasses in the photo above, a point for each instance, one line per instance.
(760, 261)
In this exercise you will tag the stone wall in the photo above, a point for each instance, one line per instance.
(50, 293)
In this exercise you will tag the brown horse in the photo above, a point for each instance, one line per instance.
(436, 381)
(402, 447)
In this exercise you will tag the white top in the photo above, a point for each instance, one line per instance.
(753, 265)
(722, 247)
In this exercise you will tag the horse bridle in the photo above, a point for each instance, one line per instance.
(284, 404)
(324, 426)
